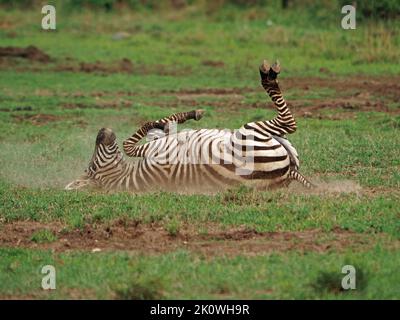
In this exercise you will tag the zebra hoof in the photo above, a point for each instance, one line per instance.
(269, 72)
(276, 67)
(274, 71)
(264, 68)
(199, 114)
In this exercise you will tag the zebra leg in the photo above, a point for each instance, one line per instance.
(181, 117)
(133, 150)
(284, 123)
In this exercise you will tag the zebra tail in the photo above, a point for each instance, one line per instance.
(295, 175)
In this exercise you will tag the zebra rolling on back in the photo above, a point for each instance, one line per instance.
(201, 160)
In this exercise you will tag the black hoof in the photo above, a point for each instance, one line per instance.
(199, 114)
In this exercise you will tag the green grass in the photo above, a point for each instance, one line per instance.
(42, 236)
(38, 159)
(264, 211)
(182, 275)
(304, 44)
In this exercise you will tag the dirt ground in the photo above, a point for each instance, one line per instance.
(155, 239)
(361, 93)
(37, 57)
(354, 95)
(31, 53)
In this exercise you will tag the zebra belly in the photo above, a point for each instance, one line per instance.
(186, 178)
(210, 160)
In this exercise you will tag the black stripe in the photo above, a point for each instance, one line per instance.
(255, 148)
(218, 176)
(267, 174)
(246, 126)
(247, 137)
(269, 159)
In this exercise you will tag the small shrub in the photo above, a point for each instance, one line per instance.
(172, 227)
(140, 290)
(42, 236)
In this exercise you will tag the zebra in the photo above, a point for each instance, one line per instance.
(203, 160)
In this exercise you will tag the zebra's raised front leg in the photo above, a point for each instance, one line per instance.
(130, 145)
(284, 123)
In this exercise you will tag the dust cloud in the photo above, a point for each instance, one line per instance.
(54, 165)
(327, 187)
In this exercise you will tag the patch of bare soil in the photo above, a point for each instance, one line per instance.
(210, 91)
(354, 94)
(213, 63)
(36, 119)
(344, 108)
(362, 87)
(69, 64)
(341, 104)
(71, 293)
(154, 239)
(384, 86)
(99, 105)
(124, 65)
(31, 53)
(27, 108)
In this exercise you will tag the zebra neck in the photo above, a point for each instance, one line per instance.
(110, 175)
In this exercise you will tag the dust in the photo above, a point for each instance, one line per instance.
(322, 187)
(40, 162)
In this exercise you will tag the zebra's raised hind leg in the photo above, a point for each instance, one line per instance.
(284, 123)
(130, 145)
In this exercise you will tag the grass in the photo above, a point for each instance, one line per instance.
(265, 211)
(303, 45)
(331, 281)
(42, 236)
(49, 121)
(184, 276)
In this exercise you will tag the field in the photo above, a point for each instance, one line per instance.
(120, 70)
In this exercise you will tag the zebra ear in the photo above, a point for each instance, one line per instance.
(80, 183)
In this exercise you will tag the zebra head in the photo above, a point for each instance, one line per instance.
(105, 160)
